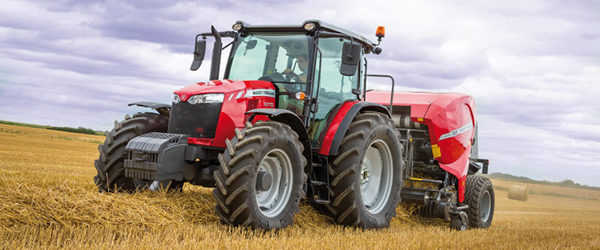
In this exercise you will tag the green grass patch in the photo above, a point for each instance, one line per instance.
(12, 131)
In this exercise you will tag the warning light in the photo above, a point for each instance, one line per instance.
(380, 32)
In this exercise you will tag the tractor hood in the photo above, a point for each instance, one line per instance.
(227, 87)
(211, 123)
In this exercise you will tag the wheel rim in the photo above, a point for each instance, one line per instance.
(158, 185)
(486, 206)
(155, 186)
(376, 176)
(273, 201)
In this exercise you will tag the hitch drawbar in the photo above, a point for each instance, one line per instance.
(156, 156)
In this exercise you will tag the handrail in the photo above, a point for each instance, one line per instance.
(393, 84)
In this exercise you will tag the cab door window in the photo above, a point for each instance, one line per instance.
(333, 87)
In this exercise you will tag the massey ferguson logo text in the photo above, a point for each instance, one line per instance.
(456, 132)
(260, 92)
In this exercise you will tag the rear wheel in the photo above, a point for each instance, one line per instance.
(367, 173)
(261, 175)
(111, 173)
(479, 195)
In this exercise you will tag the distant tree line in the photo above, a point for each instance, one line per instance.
(22, 124)
(565, 183)
(81, 130)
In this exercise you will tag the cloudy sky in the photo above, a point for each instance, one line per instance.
(532, 66)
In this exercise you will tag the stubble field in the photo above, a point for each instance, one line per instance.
(48, 200)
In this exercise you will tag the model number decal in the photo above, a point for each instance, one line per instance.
(457, 131)
(260, 92)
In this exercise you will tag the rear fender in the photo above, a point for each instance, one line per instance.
(161, 108)
(291, 119)
(341, 121)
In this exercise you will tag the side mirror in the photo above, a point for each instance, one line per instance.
(199, 50)
(251, 44)
(350, 58)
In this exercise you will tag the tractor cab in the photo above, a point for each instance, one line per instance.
(315, 67)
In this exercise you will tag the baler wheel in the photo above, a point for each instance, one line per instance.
(366, 175)
(458, 223)
(261, 177)
(479, 195)
(111, 173)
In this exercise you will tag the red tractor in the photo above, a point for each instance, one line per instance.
(296, 121)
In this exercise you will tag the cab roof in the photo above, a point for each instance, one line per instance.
(319, 25)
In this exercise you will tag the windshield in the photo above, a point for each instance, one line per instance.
(275, 56)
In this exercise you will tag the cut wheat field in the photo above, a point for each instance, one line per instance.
(48, 200)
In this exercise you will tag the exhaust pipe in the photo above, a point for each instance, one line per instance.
(216, 56)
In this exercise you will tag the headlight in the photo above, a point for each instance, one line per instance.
(309, 26)
(207, 98)
(176, 98)
(237, 26)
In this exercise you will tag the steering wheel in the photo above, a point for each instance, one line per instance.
(281, 78)
(292, 76)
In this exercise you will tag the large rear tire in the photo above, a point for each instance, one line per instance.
(111, 173)
(261, 177)
(479, 195)
(366, 175)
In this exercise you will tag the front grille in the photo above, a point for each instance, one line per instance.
(195, 120)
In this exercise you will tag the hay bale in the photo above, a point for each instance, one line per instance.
(516, 192)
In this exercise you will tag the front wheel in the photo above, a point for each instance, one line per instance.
(109, 165)
(261, 175)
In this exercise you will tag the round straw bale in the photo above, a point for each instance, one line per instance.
(516, 192)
